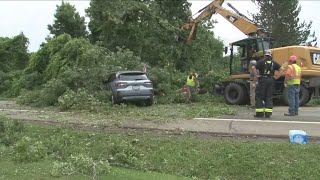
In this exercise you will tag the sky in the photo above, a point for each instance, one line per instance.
(32, 18)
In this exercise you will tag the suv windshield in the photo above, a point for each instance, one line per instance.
(132, 77)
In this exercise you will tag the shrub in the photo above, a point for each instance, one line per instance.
(2, 127)
(4, 151)
(171, 97)
(51, 92)
(67, 100)
(81, 67)
(60, 144)
(8, 140)
(82, 164)
(10, 84)
(62, 168)
(16, 127)
(5, 81)
(29, 150)
(89, 78)
(10, 131)
(166, 80)
(32, 81)
(48, 96)
(207, 80)
(104, 96)
(126, 154)
(28, 97)
(80, 100)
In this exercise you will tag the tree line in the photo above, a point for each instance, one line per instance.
(124, 35)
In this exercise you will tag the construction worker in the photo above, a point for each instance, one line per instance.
(264, 89)
(253, 82)
(251, 52)
(192, 85)
(292, 83)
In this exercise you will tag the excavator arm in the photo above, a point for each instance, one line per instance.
(205, 12)
(237, 19)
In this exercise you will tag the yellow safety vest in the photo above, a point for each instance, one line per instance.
(190, 82)
(296, 78)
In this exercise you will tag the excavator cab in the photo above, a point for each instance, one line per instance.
(243, 51)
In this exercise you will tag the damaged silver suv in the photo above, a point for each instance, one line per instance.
(130, 86)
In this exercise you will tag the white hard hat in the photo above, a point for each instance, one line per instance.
(267, 53)
(253, 62)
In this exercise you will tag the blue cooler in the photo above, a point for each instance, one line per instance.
(298, 137)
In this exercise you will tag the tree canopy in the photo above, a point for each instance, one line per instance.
(13, 53)
(281, 19)
(125, 35)
(67, 20)
(148, 28)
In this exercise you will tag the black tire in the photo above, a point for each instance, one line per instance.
(149, 102)
(235, 94)
(304, 96)
(114, 100)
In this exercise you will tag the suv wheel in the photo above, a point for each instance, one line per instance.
(114, 100)
(149, 102)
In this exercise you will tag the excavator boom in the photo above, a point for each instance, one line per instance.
(237, 19)
(204, 13)
(246, 26)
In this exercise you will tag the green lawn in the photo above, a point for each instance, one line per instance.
(206, 106)
(168, 111)
(127, 174)
(106, 115)
(133, 156)
(40, 170)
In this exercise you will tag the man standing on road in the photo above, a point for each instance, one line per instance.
(292, 83)
(253, 82)
(264, 90)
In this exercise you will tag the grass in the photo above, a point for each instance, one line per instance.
(314, 102)
(40, 170)
(179, 156)
(208, 106)
(169, 111)
(127, 174)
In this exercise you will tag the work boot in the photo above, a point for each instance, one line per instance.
(259, 115)
(289, 114)
(267, 114)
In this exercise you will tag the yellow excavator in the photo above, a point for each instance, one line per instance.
(236, 90)
(239, 20)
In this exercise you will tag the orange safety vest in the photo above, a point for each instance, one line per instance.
(296, 78)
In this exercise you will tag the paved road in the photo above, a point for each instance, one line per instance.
(245, 124)
(306, 114)
(241, 124)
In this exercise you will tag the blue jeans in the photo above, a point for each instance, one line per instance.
(293, 98)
